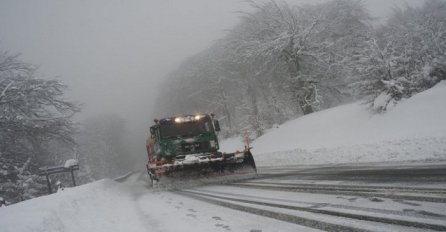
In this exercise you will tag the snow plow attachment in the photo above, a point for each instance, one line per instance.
(197, 169)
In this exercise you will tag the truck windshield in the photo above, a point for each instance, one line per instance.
(185, 129)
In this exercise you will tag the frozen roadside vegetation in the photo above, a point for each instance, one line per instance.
(414, 130)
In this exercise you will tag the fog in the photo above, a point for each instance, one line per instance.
(113, 54)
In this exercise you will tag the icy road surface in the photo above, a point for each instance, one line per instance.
(367, 197)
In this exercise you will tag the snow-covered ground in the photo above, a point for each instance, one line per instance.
(414, 130)
(107, 205)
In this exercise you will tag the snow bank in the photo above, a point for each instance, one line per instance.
(100, 206)
(107, 205)
(427, 149)
(415, 129)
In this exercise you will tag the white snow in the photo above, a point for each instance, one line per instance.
(231, 144)
(415, 129)
(382, 102)
(360, 205)
(107, 205)
(94, 207)
(70, 163)
(190, 159)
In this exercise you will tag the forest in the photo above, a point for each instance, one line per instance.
(281, 62)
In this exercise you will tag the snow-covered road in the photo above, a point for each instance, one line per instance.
(343, 198)
(375, 197)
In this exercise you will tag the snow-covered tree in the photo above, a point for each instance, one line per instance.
(405, 56)
(33, 117)
(283, 61)
(310, 40)
(278, 63)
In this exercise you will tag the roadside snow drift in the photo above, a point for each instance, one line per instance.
(414, 130)
(99, 206)
(107, 205)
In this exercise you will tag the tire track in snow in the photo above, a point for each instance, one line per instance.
(339, 206)
(305, 221)
(385, 193)
(370, 188)
(312, 223)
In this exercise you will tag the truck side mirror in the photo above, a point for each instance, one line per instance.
(152, 131)
(216, 125)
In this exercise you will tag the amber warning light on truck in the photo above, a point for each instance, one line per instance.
(188, 118)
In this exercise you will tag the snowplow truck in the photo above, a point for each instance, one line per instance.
(186, 148)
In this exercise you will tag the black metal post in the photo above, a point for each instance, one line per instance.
(72, 177)
(49, 184)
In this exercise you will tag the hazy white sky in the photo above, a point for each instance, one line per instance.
(113, 53)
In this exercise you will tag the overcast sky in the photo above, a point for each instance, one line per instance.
(113, 53)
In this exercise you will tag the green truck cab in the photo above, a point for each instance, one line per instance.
(176, 137)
